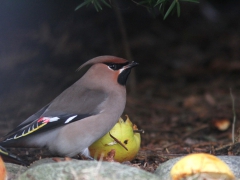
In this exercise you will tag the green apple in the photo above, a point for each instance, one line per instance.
(122, 139)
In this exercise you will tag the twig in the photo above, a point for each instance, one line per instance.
(139, 4)
(119, 142)
(141, 131)
(234, 116)
(205, 126)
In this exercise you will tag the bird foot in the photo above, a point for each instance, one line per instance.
(58, 159)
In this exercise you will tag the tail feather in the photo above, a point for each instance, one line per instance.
(9, 157)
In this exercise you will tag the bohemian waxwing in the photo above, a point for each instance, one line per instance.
(81, 114)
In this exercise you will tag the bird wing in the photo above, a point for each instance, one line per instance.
(60, 112)
(43, 124)
(28, 120)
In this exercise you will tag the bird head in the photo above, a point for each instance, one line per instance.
(108, 67)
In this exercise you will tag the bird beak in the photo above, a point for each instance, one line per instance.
(125, 71)
(131, 65)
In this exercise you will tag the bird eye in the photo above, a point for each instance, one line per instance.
(115, 66)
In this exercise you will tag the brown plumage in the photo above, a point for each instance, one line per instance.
(81, 114)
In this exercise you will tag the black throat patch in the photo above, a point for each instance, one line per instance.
(123, 76)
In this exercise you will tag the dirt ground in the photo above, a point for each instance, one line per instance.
(188, 66)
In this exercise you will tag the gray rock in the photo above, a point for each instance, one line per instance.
(163, 170)
(85, 170)
(48, 160)
(233, 162)
(14, 170)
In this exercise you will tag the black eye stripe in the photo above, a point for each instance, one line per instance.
(114, 66)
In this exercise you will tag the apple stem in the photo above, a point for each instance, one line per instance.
(139, 131)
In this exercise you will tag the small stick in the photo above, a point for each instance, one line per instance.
(119, 142)
(234, 116)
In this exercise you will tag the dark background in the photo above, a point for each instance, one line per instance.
(187, 64)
